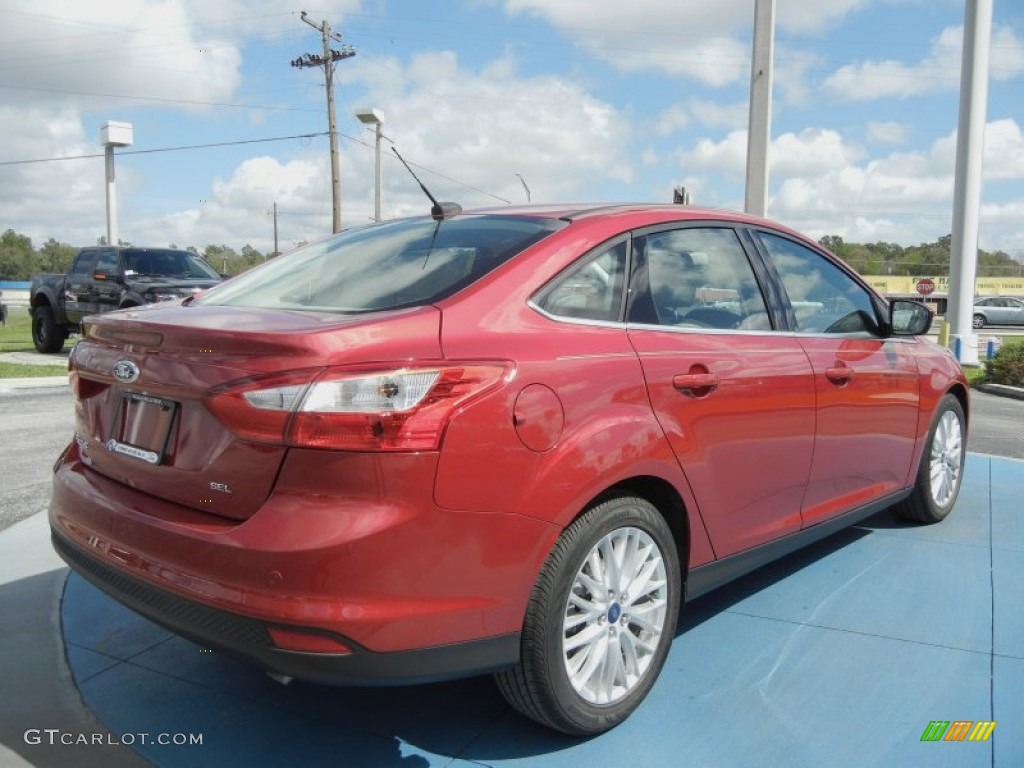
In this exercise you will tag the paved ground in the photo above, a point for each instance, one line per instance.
(35, 426)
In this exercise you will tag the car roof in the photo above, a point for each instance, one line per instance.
(578, 211)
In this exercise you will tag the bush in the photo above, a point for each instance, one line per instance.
(1007, 367)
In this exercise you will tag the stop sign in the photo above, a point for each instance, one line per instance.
(925, 286)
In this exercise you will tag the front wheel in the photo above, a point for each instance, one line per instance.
(978, 321)
(46, 334)
(942, 466)
(600, 620)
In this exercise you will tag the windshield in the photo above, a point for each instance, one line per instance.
(404, 263)
(165, 263)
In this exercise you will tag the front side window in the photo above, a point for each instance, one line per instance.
(107, 263)
(695, 277)
(403, 263)
(84, 265)
(824, 298)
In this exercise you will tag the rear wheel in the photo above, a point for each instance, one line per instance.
(46, 334)
(942, 466)
(978, 321)
(600, 621)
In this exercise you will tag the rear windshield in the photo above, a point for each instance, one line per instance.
(404, 263)
(153, 262)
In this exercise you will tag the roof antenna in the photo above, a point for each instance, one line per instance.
(439, 211)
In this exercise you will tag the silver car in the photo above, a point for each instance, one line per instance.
(998, 310)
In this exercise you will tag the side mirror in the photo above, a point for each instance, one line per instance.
(105, 275)
(909, 318)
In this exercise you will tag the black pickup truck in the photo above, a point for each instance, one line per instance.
(103, 278)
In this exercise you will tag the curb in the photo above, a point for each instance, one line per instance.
(1017, 393)
(37, 382)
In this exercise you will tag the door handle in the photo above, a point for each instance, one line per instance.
(839, 374)
(696, 384)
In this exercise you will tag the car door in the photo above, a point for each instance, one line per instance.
(866, 384)
(108, 281)
(734, 398)
(1015, 312)
(1005, 311)
(78, 286)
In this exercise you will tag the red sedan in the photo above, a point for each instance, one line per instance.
(511, 441)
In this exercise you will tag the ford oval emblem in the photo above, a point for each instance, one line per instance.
(126, 371)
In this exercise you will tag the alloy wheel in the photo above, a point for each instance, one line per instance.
(946, 458)
(615, 616)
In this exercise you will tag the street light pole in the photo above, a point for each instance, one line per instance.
(970, 137)
(113, 134)
(376, 119)
(759, 122)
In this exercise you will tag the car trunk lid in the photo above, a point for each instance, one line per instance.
(142, 379)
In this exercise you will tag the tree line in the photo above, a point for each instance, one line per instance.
(923, 260)
(19, 259)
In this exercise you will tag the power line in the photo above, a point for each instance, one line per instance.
(166, 149)
(156, 98)
(345, 136)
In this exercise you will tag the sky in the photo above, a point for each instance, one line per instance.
(494, 102)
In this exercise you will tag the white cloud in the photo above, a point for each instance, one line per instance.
(137, 49)
(903, 197)
(1004, 151)
(728, 156)
(672, 119)
(708, 42)
(33, 195)
(887, 132)
(241, 206)
(812, 152)
(485, 127)
(940, 70)
(704, 112)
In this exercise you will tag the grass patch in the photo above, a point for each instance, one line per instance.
(20, 371)
(16, 336)
(975, 374)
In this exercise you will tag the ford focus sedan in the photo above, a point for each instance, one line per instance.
(510, 441)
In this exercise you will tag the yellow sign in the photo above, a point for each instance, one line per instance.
(983, 286)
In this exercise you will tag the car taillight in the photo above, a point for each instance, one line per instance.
(402, 409)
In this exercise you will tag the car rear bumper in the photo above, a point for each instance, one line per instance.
(250, 639)
(377, 587)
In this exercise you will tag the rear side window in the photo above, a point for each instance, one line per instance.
(590, 290)
(405, 263)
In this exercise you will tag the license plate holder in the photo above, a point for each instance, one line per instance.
(142, 428)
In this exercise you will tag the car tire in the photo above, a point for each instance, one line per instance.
(978, 321)
(942, 466)
(46, 334)
(587, 658)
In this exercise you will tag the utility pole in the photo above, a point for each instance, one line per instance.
(327, 62)
(759, 123)
(275, 229)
